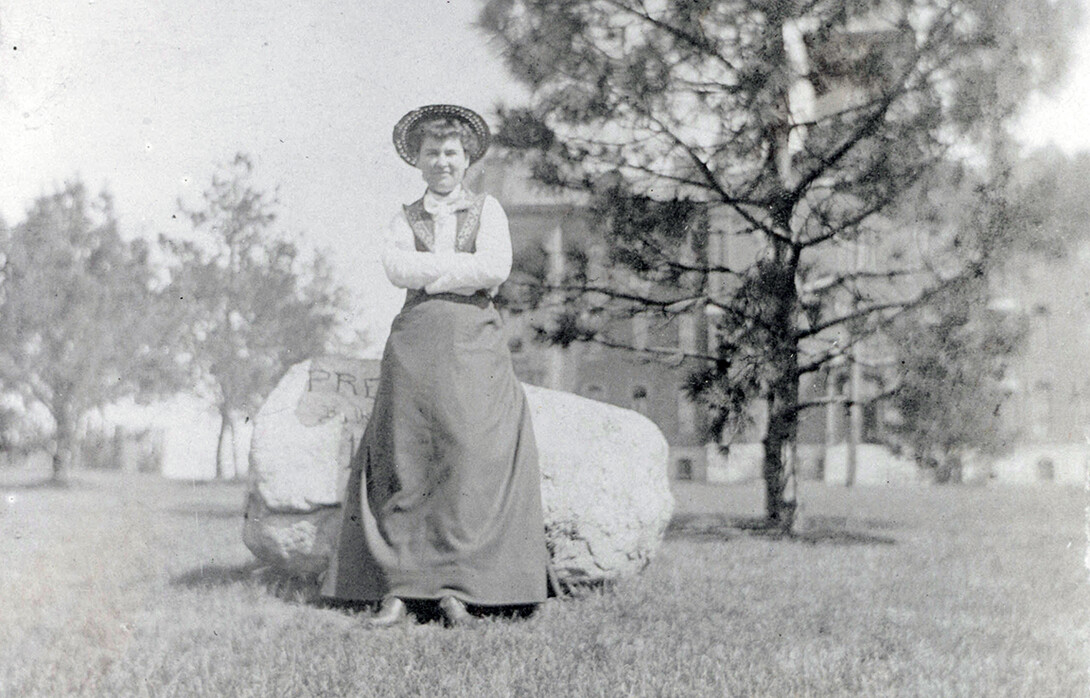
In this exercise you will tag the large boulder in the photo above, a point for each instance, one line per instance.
(604, 479)
(604, 485)
(303, 438)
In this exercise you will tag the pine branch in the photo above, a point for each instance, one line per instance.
(699, 43)
(847, 401)
(608, 291)
(829, 282)
(738, 205)
(856, 315)
(672, 356)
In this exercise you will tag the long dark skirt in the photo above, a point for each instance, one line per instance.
(444, 497)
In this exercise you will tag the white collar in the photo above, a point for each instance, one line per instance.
(445, 199)
(445, 203)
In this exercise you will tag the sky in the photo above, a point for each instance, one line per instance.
(146, 98)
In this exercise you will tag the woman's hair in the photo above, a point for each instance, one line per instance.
(441, 129)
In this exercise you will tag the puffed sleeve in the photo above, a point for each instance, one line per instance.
(404, 265)
(487, 267)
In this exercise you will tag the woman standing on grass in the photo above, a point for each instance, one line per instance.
(444, 500)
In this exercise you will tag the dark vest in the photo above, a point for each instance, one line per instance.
(469, 222)
(465, 240)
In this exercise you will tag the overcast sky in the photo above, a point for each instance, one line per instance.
(144, 98)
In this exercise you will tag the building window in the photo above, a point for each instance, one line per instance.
(685, 469)
(1041, 410)
(639, 399)
(686, 413)
(639, 332)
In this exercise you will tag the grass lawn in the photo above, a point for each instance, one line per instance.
(133, 585)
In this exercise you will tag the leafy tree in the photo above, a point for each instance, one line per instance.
(246, 306)
(951, 363)
(78, 321)
(808, 136)
(1048, 195)
(952, 359)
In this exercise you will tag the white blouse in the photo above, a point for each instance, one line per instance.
(444, 270)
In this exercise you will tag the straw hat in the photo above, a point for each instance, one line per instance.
(410, 121)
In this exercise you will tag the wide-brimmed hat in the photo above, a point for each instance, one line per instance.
(414, 118)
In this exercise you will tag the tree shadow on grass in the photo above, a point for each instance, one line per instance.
(282, 585)
(828, 530)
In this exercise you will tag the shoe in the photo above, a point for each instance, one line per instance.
(391, 612)
(455, 612)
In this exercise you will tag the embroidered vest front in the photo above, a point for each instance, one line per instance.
(468, 222)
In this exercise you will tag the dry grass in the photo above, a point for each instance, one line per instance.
(132, 585)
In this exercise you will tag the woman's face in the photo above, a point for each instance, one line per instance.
(443, 163)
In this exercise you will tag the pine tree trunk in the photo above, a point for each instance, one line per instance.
(780, 504)
(780, 292)
(782, 393)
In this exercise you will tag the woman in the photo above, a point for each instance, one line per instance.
(443, 501)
